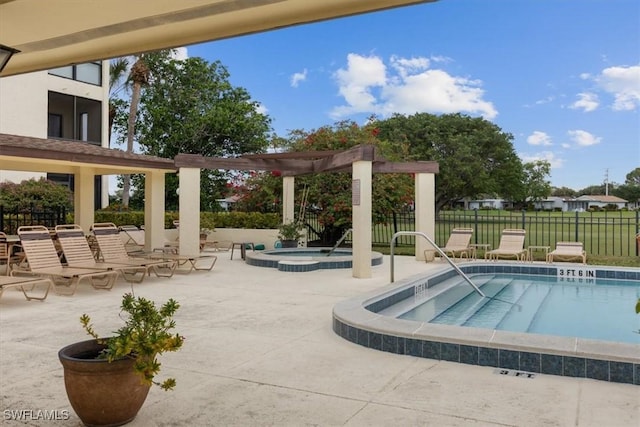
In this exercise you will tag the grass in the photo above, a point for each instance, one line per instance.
(615, 261)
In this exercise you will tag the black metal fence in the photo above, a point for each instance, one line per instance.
(11, 220)
(607, 233)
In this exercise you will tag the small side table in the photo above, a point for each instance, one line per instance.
(475, 246)
(243, 248)
(530, 250)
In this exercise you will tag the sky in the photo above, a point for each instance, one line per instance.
(561, 76)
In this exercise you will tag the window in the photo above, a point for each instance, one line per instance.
(91, 72)
(73, 117)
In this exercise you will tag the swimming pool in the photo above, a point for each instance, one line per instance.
(600, 309)
(306, 259)
(372, 320)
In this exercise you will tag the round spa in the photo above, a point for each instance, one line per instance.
(306, 259)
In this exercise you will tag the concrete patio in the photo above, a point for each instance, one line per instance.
(260, 351)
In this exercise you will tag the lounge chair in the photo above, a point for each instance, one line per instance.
(133, 238)
(113, 251)
(458, 243)
(78, 253)
(42, 258)
(30, 281)
(511, 245)
(567, 251)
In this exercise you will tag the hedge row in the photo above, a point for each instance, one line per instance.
(209, 220)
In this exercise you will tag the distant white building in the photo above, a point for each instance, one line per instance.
(550, 204)
(583, 203)
(70, 103)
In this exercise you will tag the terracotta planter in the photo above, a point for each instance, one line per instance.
(101, 393)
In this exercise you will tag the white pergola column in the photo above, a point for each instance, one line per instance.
(83, 198)
(425, 202)
(288, 199)
(189, 200)
(361, 201)
(153, 210)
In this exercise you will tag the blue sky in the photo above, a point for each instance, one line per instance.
(562, 76)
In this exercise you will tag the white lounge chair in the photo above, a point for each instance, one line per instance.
(567, 251)
(511, 245)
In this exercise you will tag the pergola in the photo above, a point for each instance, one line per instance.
(361, 161)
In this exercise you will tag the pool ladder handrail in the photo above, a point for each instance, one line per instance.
(440, 251)
(340, 240)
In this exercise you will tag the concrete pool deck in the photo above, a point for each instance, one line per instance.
(260, 350)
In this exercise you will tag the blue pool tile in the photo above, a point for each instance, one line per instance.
(413, 347)
(509, 359)
(469, 354)
(621, 372)
(390, 344)
(431, 350)
(352, 334)
(598, 369)
(488, 357)
(636, 374)
(363, 338)
(530, 362)
(450, 352)
(574, 367)
(551, 364)
(375, 341)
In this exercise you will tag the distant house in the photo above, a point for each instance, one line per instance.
(227, 203)
(583, 203)
(550, 203)
(489, 204)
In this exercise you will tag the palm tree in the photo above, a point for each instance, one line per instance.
(138, 77)
(117, 82)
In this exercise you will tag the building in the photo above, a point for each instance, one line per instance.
(586, 202)
(70, 103)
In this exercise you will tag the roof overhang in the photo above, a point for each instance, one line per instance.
(54, 33)
(22, 153)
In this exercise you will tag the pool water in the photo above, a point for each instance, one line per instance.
(600, 309)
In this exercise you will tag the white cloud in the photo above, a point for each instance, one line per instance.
(296, 78)
(262, 109)
(555, 162)
(624, 84)
(539, 138)
(587, 102)
(408, 86)
(565, 145)
(583, 138)
(180, 53)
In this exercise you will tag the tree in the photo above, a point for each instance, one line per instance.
(536, 185)
(329, 194)
(40, 193)
(475, 156)
(593, 190)
(633, 177)
(117, 83)
(563, 192)
(191, 107)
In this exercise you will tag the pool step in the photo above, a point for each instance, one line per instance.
(522, 314)
(490, 315)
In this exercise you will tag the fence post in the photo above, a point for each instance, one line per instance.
(524, 219)
(637, 232)
(475, 225)
(1, 217)
(576, 232)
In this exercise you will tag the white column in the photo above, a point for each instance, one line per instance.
(189, 199)
(425, 204)
(288, 199)
(153, 210)
(361, 195)
(83, 197)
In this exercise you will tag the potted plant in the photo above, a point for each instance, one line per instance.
(107, 379)
(289, 233)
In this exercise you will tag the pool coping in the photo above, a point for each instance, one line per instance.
(358, 321)
(301, 264)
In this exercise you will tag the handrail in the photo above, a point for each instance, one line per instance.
(340, 240)
(440, 251)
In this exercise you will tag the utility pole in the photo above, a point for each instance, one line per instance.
(606, 182)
